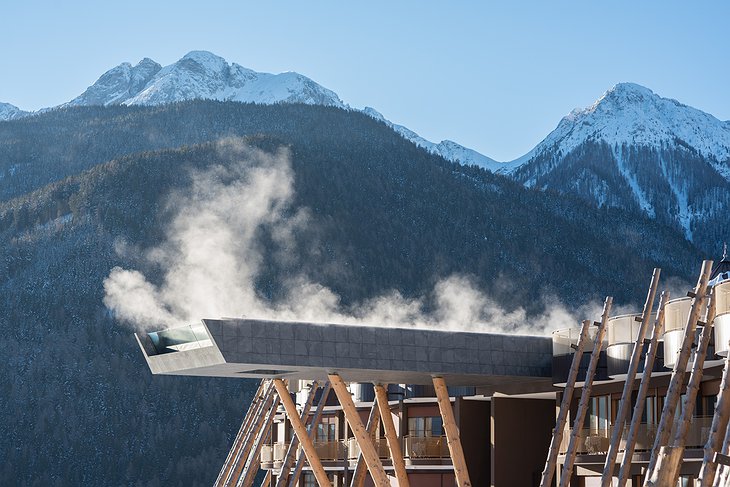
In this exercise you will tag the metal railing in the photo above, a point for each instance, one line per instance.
(596, 441)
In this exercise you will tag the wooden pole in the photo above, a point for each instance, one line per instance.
(719, 426)
(675, 385)
(667, 471)
(396, 452)
(625, 402)
(452, 433)
(311, 429)
(301, 431)
(358, 475)
(254, 458)
(625, 470)
(549, 471)
(267, 479)
(721, 478)
(238, 441)
(289, 456)
(585, 396)
(369, 453)
(257, 422)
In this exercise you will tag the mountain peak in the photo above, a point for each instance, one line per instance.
(205, 59)
(201, 75)
(631, 114)
(10, 112)
(626, 88)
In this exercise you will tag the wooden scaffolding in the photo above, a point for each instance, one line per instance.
(243, 461)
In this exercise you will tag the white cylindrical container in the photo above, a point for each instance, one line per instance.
(676, 314)
(622, 332)
(362, 391)
(722, 318)
(564, 340)
(564, 343)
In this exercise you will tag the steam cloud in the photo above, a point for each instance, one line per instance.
(212, 257)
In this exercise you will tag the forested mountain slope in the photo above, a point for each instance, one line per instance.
(635, 150)
(88, 193)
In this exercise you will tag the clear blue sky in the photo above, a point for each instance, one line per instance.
(494, 76)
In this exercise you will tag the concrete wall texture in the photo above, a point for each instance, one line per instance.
(381, 348)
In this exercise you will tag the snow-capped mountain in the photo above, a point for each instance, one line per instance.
(634, 149)
(10, 112)
(203, 75)
(447, 149)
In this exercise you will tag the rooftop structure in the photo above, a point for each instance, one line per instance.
(640, 397)
(245, 348)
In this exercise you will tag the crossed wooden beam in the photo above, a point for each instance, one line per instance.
(243, 461)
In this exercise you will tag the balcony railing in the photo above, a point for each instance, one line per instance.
(272, 456)
(596, 441)
(414, 447)
(426, 447)
(381, 446)
(330, 451)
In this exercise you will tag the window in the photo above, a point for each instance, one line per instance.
(425, 426)
(309, 480)
(599, 413)
(326, 429)
(650, 415)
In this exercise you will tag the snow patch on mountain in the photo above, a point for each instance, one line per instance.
(447, 149)
(11, 112)
(118, 84)
(630, 178)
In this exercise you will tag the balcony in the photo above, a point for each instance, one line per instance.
(596, 441)
(272, 456)
(330, 451)
(381, 446)
(414, 448)
(424, 447)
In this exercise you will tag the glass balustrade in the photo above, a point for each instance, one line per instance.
(187, 337)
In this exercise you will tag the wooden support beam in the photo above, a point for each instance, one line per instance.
(452, 433)
(359, 474)
(238, 441)
(396, 452)
(675, 385)
(311, 429)
(254, 458)
(717, 430)
(372, 460)
(585, 396)
(267, 479)
(246, 425)
(722, 477)
(625, 470)
(625, 401)
(548, 472)
(239, 461)
(289, 456)
(301, 431)
(669, 470)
